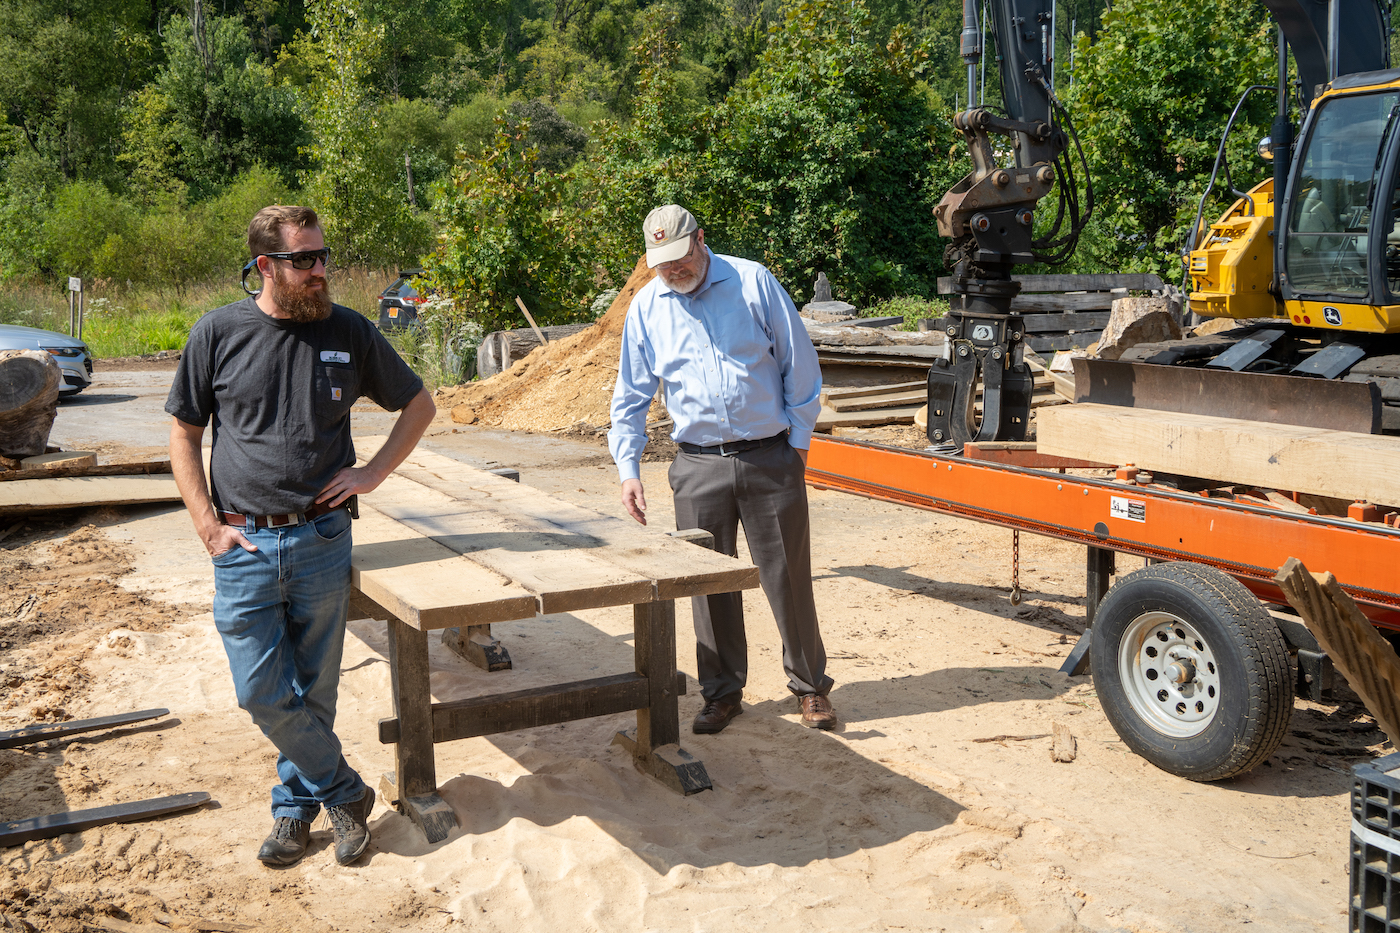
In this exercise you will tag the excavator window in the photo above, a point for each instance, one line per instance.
(1337, 181)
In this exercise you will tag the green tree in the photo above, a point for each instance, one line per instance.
(65, 66)
(509, 228)
(1150, 100)
(828, 158)
(364, 211)
(213, 110)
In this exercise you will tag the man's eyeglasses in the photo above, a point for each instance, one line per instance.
(306, 259)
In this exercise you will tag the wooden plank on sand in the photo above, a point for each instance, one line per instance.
(426, 585)
(677, 569)
(1339, 464)
(71, 492)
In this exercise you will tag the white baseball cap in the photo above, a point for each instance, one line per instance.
(667, 233)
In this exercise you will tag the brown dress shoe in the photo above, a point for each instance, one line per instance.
(817, 712)
(715, 716)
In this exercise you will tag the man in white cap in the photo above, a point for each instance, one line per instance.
(742, 387)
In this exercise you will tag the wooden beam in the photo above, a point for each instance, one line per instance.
(1074, 283)
(73, 492)
(538, 706)
(42, 732)
(1024, 454)
(1363, 656)
(829, 395)
(1042, 344)
(74, 821)
(1339, 464)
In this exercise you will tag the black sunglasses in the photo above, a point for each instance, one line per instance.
(306, 259)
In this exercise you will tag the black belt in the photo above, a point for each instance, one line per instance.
(730, 448)
(291, 518)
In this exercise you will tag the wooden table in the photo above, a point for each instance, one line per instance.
(442, 545)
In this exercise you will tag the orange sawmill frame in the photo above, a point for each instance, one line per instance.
(1247, 542)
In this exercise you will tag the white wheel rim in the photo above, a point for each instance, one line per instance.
(1169, 674)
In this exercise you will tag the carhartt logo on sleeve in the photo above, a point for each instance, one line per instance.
(335, 393)
(334, 356)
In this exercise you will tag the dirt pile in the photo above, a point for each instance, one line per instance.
(562, 385)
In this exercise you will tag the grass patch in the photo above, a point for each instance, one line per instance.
(912, 308)
(139, 322)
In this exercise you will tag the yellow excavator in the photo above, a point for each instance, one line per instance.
(1313, 277)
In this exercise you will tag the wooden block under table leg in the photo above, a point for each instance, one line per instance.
(415, 784)
(656, 745)
(477, 646)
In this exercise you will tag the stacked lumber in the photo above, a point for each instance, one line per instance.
(1064, 312)
(901, 403)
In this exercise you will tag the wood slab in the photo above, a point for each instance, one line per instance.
(829, 419)
(676, 568)
(143, 468)
(556, 567)
(1339, 464)
(426, 585)
(1067, 282)
(72, 492)
(61, 458)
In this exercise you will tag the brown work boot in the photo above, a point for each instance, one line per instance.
(817, 712)
(351, 825)
(286, 844)
(715, 716)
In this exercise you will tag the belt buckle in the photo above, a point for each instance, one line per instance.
(726, 453)
(282, 521)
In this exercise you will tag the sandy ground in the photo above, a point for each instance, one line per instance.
(935, 807)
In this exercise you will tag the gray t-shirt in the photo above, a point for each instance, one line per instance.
(279, 394)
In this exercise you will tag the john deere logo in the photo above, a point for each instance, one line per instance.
(1332, 316)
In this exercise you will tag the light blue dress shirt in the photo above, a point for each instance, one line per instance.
(733, 354)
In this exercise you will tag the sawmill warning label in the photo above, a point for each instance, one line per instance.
(1133, 510)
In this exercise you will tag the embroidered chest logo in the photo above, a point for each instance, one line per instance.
(334, 356)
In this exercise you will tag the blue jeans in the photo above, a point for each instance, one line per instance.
(281, 612)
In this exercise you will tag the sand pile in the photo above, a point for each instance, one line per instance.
(566, 383)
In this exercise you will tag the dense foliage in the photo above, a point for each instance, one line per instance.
(1151, 99)
(514, 146)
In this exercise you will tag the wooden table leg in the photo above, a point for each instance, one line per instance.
(413, 786)
(656, 746)
(477, 646)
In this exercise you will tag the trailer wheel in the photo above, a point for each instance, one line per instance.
(1191, 671)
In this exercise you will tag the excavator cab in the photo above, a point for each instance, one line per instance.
(1341, 246)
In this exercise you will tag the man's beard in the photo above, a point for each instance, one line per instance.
(298, 302)
(686, 281)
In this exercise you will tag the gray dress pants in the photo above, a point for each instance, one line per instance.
(764, 489)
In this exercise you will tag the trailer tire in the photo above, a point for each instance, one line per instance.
(1191, 671)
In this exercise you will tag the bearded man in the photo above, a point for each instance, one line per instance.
(742, 388)
(277, 373)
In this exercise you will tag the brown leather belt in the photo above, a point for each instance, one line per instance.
(291, 518)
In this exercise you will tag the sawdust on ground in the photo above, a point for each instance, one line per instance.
(565, 385)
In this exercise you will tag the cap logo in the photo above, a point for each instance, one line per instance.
(659, 234)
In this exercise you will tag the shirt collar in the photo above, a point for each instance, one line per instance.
(718, 271)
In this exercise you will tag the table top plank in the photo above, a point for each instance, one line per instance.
(678, 568)
(553, 565)
(425, 584)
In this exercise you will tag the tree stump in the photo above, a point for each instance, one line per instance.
(29, 384)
